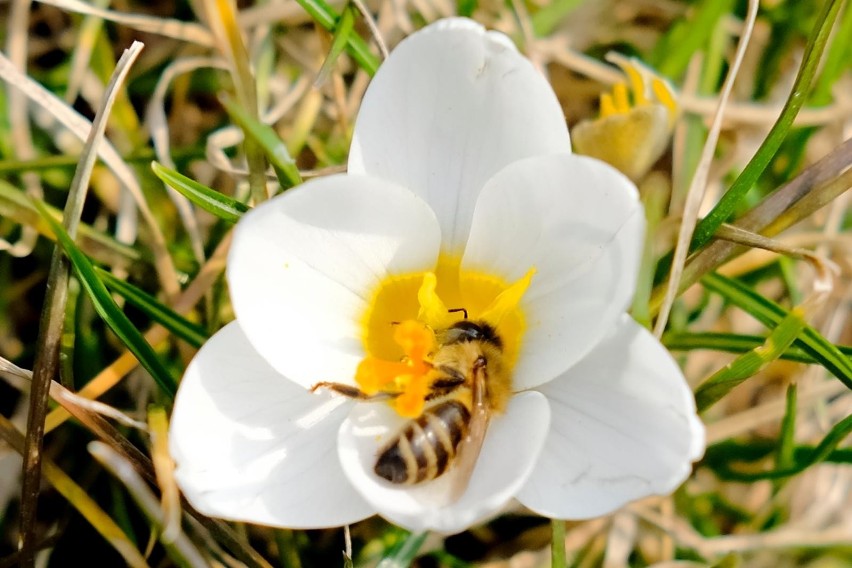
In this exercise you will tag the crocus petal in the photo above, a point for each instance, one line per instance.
(303, 266)
(580, 224)
(252, 446)
(450, 107)
(511, 446)
(624, 427)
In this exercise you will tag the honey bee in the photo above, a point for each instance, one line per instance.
(468, 384)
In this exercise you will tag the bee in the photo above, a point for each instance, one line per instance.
(469, 383)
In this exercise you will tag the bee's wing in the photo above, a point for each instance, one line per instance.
(470, 447)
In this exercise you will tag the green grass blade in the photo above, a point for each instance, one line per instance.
(674, 51)
(269, 142)
(805, 457)
(288, 542)
(447, 560)
(548, 17)
(655, 193)
(180, 549)
(78, 498)
(558, 558)
(16, 206)
(210, 200)
(109, 311)
(748, 364)
(750, 174)
(787, 440)
(325, 16)
(722, 453)
(466, 8)
(341, 37)
(736, 343)
(403, 553)
(836, 60)
(175, 323)
(771, 314)
(68, 343)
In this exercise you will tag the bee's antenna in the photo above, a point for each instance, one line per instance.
(464, 311)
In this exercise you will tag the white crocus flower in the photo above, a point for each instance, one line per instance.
(461, 193)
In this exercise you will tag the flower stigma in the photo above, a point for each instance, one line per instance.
(402, 325)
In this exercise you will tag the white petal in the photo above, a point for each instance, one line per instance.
(511, 447)
(252, 446)
(304, 265)
(580, 224)
(450, 107)
(624, 427)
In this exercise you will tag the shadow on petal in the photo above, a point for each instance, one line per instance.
(450, 107)
(580, 224)
(250, 445)
(624, 427)
(304, 265)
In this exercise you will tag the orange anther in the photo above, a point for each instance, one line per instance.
(410, 403)
(374, 375)
(416, 340)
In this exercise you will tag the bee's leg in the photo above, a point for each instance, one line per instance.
(352, 392)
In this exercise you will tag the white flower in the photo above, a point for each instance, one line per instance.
(460, 175)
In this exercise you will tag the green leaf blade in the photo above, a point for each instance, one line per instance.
(750, 363)
(324, 15)
(404, 552)
(271, 145)
(176, 324)
(767, 150)
(109, 311)
(210, 200)
(771, 314)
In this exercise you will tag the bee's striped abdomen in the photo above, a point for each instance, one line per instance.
(426, 446)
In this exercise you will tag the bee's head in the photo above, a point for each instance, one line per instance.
(468, 330)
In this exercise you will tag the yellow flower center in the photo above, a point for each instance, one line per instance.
(400, 325)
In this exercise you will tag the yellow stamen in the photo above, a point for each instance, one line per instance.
(666, 97)
(637, 84)
(621, 98)
(607, 105)
(508, 299)
(635, 72)
(407, 310)
(433, 312)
